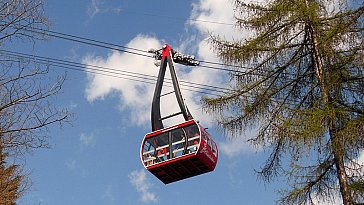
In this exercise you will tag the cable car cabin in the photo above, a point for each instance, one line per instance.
(179, 152)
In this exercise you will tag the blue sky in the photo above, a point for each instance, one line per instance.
(96, 159)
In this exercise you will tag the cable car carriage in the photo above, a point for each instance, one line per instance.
(179, 151)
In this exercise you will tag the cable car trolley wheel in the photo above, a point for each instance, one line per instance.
(179, 151)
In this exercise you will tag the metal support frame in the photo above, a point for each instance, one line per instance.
(166, 57)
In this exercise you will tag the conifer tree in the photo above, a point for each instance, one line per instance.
(10, 181)
(303, 89)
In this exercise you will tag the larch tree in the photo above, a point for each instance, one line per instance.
(299, 81)
(11, 182)
(27, 93)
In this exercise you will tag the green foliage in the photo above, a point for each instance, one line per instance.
(304, 88)
(358, 189)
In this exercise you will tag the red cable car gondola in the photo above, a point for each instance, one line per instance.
(180, 151)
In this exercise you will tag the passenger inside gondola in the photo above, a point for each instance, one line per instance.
(161, 153)
(150, 159)
(193, 143)
(176, 149)
(193, 139)
(183, 141)
(178, 142)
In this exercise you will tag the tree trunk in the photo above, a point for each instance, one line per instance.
(336, 144)
(343, 178)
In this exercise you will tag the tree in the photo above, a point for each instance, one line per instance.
(27, 91)
(26, 88)
(19, 17)
(11, 186)
(303, 89)
(26, 109)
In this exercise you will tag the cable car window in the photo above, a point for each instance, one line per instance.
(180, 139)
(156, 149)
(162, 144)
(214, 148)
(178, 142)
(204, 135)
(193, 134)
(148, 153)
(209, 141)
(148, 147)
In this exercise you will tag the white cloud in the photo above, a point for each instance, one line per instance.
(87, 140)
(109, 194)
(71, 164)
(75, 167)
(73, 106)
(357, 165)
(94, 8)
(136, 96)
(97, 6)
(139, 180)
(222, 12)
(235, 147)
(361, 158)
(213, 11)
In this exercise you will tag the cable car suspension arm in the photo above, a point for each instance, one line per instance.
(167, 55)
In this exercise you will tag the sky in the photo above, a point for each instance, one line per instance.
(95, 160)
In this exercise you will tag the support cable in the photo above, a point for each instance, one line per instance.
(126, 49)
(110, 71)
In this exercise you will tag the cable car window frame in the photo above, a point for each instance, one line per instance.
(214, 150)
(203, 135)
(183, 140)
(192, 148)
(164, 155)
(209, 140)
(168, 139)
(155, 157)
(202, 155)
(148, 153)
(194, 134)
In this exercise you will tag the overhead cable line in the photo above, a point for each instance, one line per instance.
(223, 69)
(223, 64)
(118, 71)
(95, 41)
(105, 73)
(111, 71)
(88, 41)
(125, 49)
